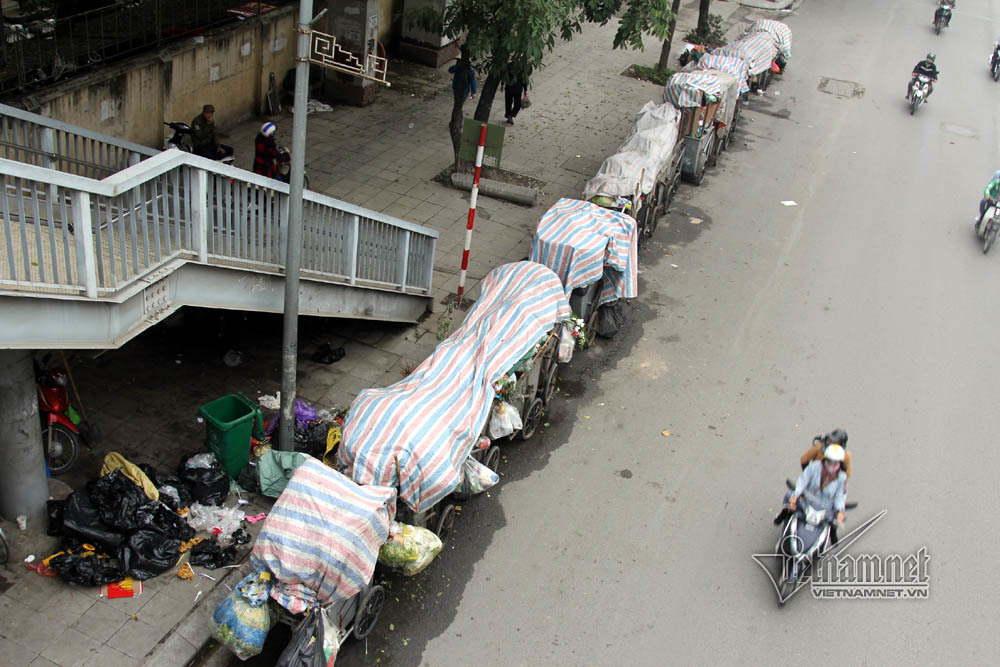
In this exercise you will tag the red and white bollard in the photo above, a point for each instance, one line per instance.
(472, 213)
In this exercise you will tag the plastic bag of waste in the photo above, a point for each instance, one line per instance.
(149, 553)
(243, 619)
(82, 519)
(221, 521)
(159, 517)
(114, 461)
(504, 420)
(118, 498)
(206, 478)
(173, 492)
(306, 647)
(566, 344)
(410, 548)
(54, 510)
(610, 319)
(210, 554)
(476, 477)
(87, 568)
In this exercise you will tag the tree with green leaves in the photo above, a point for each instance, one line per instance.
(511, 37)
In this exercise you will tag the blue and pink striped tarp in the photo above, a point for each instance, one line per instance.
(780, 33)
(684, 89)
(322, 537)
(416, 434)
(729, 64)
(582, 241)
(757, 49)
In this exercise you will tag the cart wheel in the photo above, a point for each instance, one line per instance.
(493, 458)
(532, 418)
(549, 389)
(700, 174)
(713, 152)
(369, 609)
(446, 522)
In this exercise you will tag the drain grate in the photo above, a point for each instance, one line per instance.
(840, 88)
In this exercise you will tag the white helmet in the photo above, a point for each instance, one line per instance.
(268, 129)
(834, 453)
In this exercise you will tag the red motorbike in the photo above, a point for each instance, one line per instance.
(60, 435)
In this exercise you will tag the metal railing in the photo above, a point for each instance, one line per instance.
(41, 51)
(67, 233)
(33, 139)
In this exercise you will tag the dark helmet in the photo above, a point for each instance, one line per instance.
(931, 56)
(837, 436)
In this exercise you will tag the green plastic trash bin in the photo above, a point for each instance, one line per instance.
(229, 423)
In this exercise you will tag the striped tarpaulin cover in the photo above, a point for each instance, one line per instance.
(415, 434)
(684, 89)
(582, 241)
(729, 64)
(322, 536)
(780, 33)
(757, 49)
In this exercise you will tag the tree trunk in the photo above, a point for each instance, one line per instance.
(665, 50)
(455, 127)
(486, 95)
(703, 16)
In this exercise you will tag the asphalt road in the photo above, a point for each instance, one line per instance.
(866, 305)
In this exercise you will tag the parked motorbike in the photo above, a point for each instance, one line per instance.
(988, 227)
(60, 435)
(995, 63)
(804, 538)
(942, 17)
(180, 140)
(918, 91)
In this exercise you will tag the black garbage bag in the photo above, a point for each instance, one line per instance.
(210, 554)
(174, 493)
(247, 479)
(241, 536)
(312, 438)
(54, 509)
(82, 520)
(610, 319)
(149, 553)
(302, 651)
(159, 517)
(205, 477)
(86, 570)
(117, 497)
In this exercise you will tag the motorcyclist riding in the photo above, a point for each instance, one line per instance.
(826, 484)
(944, 11)
(996, 53)
(991, 194)
(928, 69)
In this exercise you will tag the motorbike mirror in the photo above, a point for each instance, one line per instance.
(789, 484)
(850, 506)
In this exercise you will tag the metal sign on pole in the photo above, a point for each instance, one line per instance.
(472, 214)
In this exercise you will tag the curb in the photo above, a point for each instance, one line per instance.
(497, 189)
(774, 5)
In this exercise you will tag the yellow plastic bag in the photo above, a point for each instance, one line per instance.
(332, 440)
(114, 460)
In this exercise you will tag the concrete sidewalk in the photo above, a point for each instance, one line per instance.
(382, 157)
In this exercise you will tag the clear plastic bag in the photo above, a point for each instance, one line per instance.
(221, 521)
(410, 548)
(566, 344)
(504, 420)
(205, 460)
(476, 477)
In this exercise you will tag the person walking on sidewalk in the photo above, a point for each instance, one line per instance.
(464, 75)
(515, 85)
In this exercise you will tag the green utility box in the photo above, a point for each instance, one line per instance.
(229, 423)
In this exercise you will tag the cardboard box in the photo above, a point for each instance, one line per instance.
(690, 118)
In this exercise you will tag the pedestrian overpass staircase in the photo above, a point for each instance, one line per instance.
(103, 238)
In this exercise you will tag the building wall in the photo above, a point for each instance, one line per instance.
(229, 68)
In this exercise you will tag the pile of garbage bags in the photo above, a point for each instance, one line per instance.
(130, 521)
(316, 432)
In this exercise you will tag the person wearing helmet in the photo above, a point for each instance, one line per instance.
(825, 481)
(943, 11)
(991, 195)
(837, 436)
(928, 69)
(266, 151)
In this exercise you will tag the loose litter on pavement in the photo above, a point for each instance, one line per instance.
(789, 202)
(270, 402)
(256, 518)
(665, 434)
